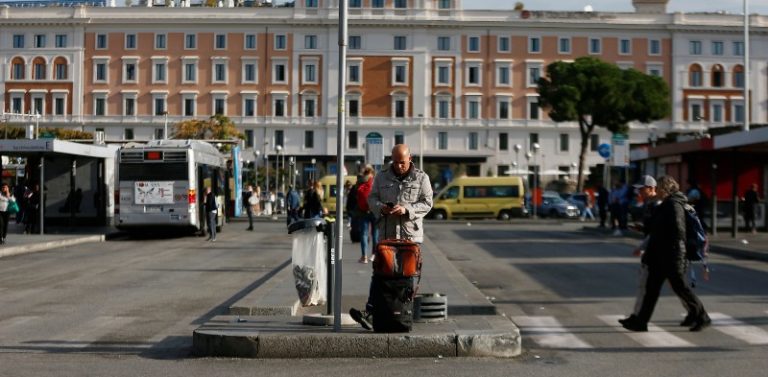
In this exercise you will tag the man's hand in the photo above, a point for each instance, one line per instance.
(395, 210)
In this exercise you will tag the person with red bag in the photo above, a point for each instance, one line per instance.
(367, 219)
(400, 198)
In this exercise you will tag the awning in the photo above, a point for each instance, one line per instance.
(21, 147)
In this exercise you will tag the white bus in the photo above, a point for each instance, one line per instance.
(162, 184)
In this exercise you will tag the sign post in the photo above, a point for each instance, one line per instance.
(374, 149)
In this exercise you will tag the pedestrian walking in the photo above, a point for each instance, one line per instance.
(367, 219)
(665, 258)
(32, 199)
(602, 203)
(588, 205)
(750, 199)
(294, 203)
(211, 213)
(247, 198)
(8, 206)
(313, 202)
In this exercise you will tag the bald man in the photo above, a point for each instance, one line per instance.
(400, 198)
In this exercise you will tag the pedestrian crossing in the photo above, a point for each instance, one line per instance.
(549, 332)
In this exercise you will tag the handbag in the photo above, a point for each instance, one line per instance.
(397, 257)
(13, 207)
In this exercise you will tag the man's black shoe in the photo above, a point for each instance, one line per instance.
(631, 318)
(688, 321)
(701, 323)
(248, 228)
(363, 318)
(635, 326)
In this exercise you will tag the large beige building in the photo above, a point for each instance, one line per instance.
(463, 81)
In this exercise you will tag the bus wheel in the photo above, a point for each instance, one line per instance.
(440, 215)
(504, 215)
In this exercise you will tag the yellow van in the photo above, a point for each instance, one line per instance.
(498, 197)
(329, 190)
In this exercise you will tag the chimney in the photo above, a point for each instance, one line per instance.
(650, 6)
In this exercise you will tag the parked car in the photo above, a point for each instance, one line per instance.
(555, 206)
(577, 199)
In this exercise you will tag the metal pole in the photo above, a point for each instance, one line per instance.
(41, 192)
(421, 142)
(714, 200)
(746, 66)
(340, 153)
(735, 195)
(165, 127)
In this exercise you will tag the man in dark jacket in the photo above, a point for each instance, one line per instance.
(665, 258)
(211, 213)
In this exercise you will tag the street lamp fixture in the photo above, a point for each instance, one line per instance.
(535, 147)
(314, 161)
(517, 148)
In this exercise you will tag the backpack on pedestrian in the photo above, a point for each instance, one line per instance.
(696, 243)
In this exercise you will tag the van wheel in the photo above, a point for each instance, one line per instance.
(553, 213)
(504, 215)
(440, 215)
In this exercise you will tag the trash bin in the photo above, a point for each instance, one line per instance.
(308, 260)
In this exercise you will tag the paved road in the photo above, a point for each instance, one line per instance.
(127, 308)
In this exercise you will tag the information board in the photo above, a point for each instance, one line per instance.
(153, 192)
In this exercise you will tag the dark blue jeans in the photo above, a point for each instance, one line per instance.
(368, 225)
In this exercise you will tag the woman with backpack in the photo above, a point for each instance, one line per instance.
(665, 257)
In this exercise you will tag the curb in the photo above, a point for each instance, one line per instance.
(47, 245)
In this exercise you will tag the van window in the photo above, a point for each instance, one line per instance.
(452, 193)
(491, 192)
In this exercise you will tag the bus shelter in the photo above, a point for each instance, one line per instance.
(76, 180)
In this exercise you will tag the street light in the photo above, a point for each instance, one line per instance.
(279, 148)
(256, 166)
(573, 166)
(293, 172)
(314, 161)
(517, 148)
(535, 147)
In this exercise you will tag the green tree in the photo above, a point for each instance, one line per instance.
(217, 127)
(599, 94)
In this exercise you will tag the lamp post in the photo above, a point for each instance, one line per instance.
(293, 172)
(528, 156)
(517, 148)
(314, 161)
(573, 167)
(277, 167)
(535, 147)
(256, 167)
(746, 65)
(266, 174)
(357, 164)
(421, 142)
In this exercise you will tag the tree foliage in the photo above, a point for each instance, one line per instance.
(599, 94)
(12, 132)
(217, 127)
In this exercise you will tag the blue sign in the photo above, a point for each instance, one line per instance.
(604, 150)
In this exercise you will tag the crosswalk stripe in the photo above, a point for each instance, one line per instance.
(548, 332)
(89, 331)
(656, 337)
(738, 329)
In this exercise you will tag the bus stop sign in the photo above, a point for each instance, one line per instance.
(604, 150)
(374, 149)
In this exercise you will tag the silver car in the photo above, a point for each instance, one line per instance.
(555, 206)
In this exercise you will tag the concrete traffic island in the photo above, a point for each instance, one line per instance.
(269, 323)
(287, 337)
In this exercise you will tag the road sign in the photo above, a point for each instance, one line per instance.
(374, 149)
(620, 150)
(604, 150)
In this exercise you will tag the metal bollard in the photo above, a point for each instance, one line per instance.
(430, 307)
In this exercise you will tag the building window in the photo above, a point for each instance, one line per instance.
(594, 142)
(100, 106)
(400, 108)
(564, 141)
(377, 3)
(696, 112)
(534, 45)
(444, 108)
(564, 45)
(503, 106)
(502, 76)
(353, 70)
(399, 137)
(160, 73)
(443, 43)
(18, 41)
(534, 73)
(738, 48)
(717, 113)
(100, 72)
(159, 133)
(595, 46)
(309, 139)
(190, 73)
(473, 141)
(38, 105)
(101, 41)
(129, 106)
(738, 112)
(249, 107)
(400, 42)
(249, 72)
(278, 73)
(654, 47)
(249, 139)
(355, 3)
(220, 106)
(696, 76)
(352, 140)
(250, 42)
(279, 107)
(310, 74)
(533, 109)
(220, 42)
(39, 71)
(220, 73)
(444, 4)
(718, 48)
(473, 108)
(189, 106)
(504, 45)
(310, 42)
(694, 47)
(60, 71)
(61, 40)
(473, 74)
(625, 46)
(309, 107)
(533, 138)
(17, 105)
(280, 42)
(59, 106)
(353, 108)
(718, 76)
(442, 140)
(473, 44)
(354, 42)
(310, 4)
(190, 41)
(401, 4)
(161, 42)
(160, 104)
(279, 138)
(40, 41)
(503, 141)
(129, 72)
(400, 73)
(130, 41)
(444, 75)
(738, 76)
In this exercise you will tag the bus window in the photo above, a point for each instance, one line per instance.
(157, 172)
(452, 193)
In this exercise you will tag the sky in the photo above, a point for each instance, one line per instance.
(730, 6)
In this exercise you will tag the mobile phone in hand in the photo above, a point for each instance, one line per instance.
(390, 204)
